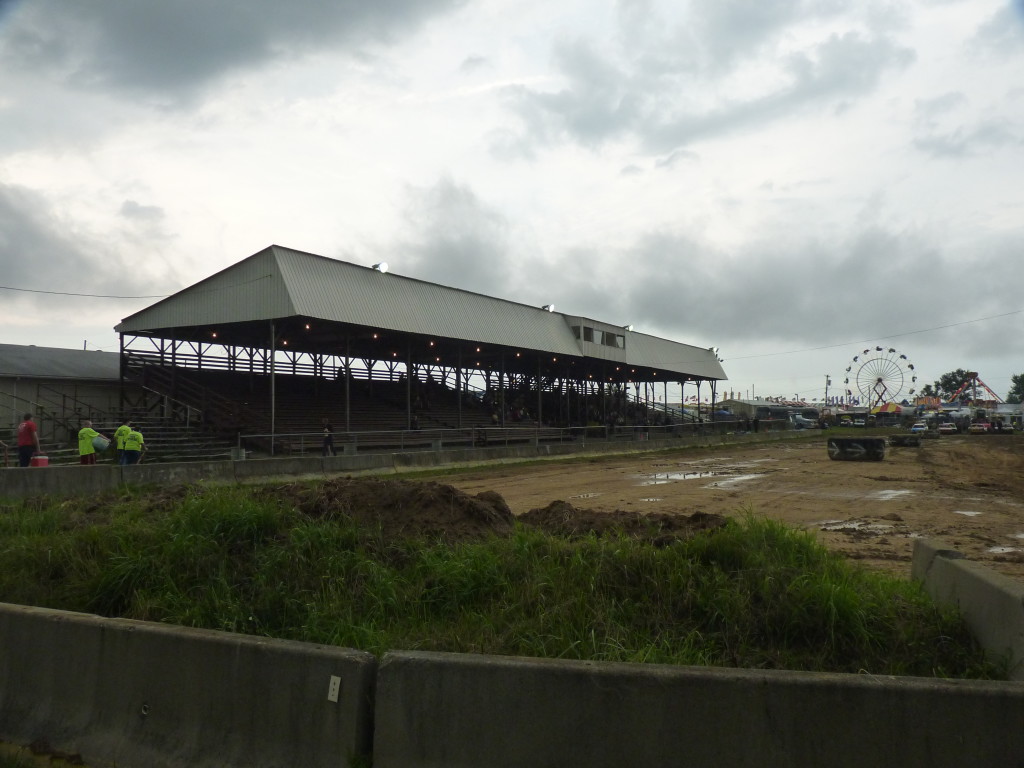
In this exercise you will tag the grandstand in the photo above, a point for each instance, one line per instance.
(264, 350)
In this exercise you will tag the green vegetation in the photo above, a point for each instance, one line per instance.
(16, 761)
(751, 594)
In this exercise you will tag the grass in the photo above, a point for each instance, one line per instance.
(754, 594)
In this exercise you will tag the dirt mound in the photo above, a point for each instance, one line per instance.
(431, 510)
(563, 519)
(404, 509)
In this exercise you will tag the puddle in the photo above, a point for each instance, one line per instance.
(660, 478)
(889, 495)
(1017, 536)
(857, 525)
(966, 512)
(1002, 550)
(735, 480)
(652, 498)
(584, 495)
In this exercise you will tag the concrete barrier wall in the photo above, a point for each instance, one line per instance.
(992, 604)
(177, 472)
(131, 693)
(138, 694)
(466, 711)
(78, 480)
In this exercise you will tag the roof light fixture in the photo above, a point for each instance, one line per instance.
(381, 266)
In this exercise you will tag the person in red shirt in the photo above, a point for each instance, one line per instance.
(28, 441)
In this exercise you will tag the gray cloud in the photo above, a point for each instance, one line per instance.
(35, 249)
(473, 64)
(1003, 34)
(842, 67)
(787, 289)
(459, 240)
(39, 251)
(147, 213)
(872, 283)
(171, 49)
(928, 109)
(651, 100)
(976, 140)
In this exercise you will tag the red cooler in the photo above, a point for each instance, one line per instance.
(40, 461)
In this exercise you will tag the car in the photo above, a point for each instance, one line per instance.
(919, 427)
(979, 428)
(948, 428)
(858, 422)
(802, 422)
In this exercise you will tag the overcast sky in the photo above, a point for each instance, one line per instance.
(790, 181)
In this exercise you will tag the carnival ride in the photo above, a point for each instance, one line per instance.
(879, 376)
(974, 383)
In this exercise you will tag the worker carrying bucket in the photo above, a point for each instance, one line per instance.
(90, 443)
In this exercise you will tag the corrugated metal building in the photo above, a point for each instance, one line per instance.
(58, 386)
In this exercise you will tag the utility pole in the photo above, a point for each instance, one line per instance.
(828, 381)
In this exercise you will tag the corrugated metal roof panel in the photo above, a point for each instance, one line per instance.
(252, 289)
(654, 352)
(349, 293)
(53, 363)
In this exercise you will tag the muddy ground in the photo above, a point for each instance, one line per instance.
(967, 490)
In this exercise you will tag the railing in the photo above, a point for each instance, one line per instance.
(59, 411)
(307, 443)
(299, 443)
(191, 400)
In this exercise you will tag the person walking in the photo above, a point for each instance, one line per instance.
(86, 449)
(119, 435)
(28, 440)
(134, 447)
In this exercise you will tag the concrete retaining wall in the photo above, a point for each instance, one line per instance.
(79, 480)
(132, 693)
(142, 695)
(464, 711)
(992, 604)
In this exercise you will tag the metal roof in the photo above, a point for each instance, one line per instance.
(17, 361)
(279, 283)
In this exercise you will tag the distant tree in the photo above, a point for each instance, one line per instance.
(1016, 394)
(928, 391)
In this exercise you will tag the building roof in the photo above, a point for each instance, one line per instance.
(18, 361)
(340, 307)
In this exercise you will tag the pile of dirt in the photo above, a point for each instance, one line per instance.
(562, 519)
(401, 509)
(409, 509)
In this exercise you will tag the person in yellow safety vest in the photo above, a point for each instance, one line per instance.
(134, 447)
(86, 449)
(119, 435)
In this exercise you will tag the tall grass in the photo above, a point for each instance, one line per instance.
(752, 594)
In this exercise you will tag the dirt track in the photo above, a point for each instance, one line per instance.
(966, 490)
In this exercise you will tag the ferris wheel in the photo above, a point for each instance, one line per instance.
(880, 375)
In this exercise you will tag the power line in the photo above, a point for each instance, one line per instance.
(108, 296)
(87, 295)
